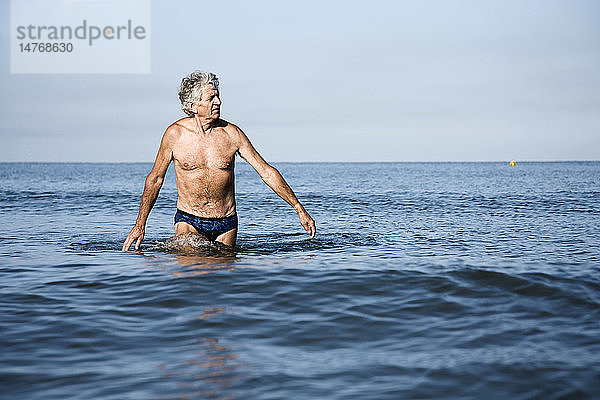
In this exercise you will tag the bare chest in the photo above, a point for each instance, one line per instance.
(204, 152)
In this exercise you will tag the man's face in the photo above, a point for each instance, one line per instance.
(209, 105)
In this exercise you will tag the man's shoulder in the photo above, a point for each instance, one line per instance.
(176, 129)
(179, 126)
(186, 124)
(232, 129)
(228, 126)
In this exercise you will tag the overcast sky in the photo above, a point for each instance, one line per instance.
(335, 81)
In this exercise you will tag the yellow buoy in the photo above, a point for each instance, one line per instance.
(513, 163)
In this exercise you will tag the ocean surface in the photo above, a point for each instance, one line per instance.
(425, 281)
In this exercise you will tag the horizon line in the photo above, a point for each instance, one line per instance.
(308, 162)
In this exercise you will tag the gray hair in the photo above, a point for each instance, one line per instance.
(191, 88)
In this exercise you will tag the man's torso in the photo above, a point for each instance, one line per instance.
(204, 169)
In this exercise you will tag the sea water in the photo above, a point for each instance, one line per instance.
(425, 281)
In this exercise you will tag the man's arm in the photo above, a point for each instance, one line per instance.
(154, 182)
(274, 180)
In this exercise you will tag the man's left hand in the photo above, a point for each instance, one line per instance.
(308, 223)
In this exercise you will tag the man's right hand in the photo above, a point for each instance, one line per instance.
(137, 232)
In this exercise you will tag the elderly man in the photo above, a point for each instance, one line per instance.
(202, 148)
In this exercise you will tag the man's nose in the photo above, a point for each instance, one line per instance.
(218, 101)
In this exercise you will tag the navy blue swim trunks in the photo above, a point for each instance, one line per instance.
(211, 228)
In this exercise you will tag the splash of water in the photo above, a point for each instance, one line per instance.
(190, 243)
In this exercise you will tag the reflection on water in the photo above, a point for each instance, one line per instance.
(211, 312)
(208, 373)
(200, 265)
(207, 369)
(198, 255)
